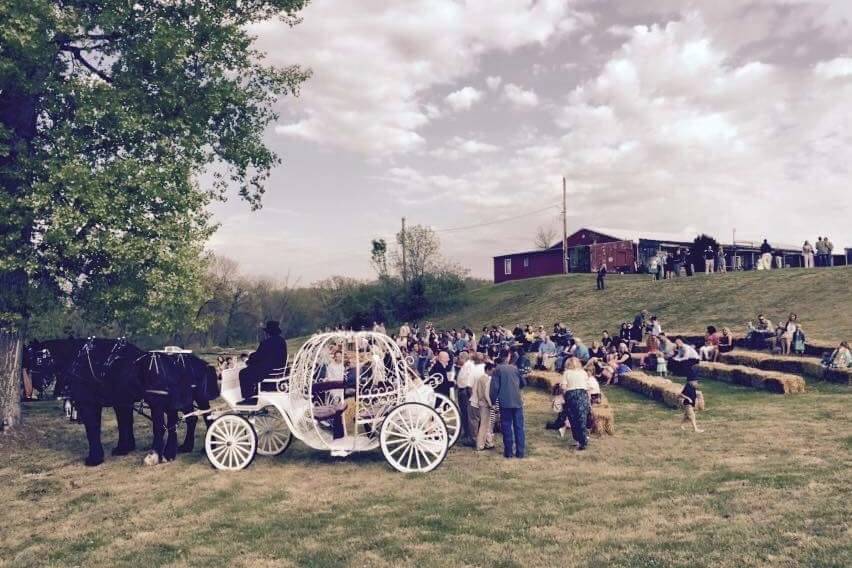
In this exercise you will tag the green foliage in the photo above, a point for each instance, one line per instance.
(108, 112)
(696, 250)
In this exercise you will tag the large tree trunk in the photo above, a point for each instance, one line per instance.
(11, 349)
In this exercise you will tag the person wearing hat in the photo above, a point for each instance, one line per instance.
(270, 355)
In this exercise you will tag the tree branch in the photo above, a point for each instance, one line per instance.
(77, 53)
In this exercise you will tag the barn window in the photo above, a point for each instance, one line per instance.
(507, 266)
(526, 262)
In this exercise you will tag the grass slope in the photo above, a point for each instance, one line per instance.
(822, 298)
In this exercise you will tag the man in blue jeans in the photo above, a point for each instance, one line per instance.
(506, 385)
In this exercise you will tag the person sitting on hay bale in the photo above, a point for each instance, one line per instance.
(692, 400)
(546, 354)
(761, 335)
(684, 359)
(710, 350)
(726, 341)
(840, 358)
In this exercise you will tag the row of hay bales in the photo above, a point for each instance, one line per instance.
(806, 366)
(603, 412)
(653, 387)
(772, 381)
(777, 381)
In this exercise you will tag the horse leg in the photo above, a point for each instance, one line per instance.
(90, 414)
(159, 427)
(126, 440)
(170, 451)
(189, 441)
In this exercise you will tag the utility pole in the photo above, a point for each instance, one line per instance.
(404, 266)
(564, 228)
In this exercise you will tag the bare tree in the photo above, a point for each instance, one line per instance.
(422, 248)
(544, 237)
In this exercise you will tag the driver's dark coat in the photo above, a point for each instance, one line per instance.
(270, 354)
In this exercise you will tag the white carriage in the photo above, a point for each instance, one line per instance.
(378, 403)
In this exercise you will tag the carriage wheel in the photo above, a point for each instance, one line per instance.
(230, 443)
(449, 411)
(273, 432)
(414, 438)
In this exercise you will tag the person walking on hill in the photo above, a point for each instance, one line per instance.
(575, 385)
(689, 396)
(765, 260)
(808, 255)
(602, 277)
(505, 391)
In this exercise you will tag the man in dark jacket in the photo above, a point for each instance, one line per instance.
(270, 355)
(506, 385)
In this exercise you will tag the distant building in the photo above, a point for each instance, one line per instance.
(624, 251)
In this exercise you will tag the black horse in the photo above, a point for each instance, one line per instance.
(49, 362)
(175, 383)
(105, 373)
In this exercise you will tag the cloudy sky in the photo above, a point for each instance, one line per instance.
(664, 115)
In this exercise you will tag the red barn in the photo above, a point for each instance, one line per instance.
(585, 249)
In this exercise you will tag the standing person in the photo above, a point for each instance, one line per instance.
(442, 368)
(808, 255)
(689, 395)
(820, 252)
(602, 277)
(765, 262)
(709, 258)
(464, 388)
(505, 391)
(482, 409)
(404, 331)
(721, 263)
(575, 384)
(270, 355)
(829, 252)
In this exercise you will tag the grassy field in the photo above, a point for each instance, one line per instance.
(822, 299)
(768, 484)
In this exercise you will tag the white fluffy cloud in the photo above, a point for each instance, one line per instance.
(463, 99)
(458, 147)
(522, 98)
(493, 82)
(374, 62)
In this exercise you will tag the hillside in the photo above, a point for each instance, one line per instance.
(822, 298)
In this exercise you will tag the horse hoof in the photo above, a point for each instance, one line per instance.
(92, 461)
(185, 449)
(151, 459)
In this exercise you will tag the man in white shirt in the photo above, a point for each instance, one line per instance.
(464, 388)
(404, 331)
(685, 357)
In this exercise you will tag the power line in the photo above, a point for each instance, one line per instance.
(494, 222)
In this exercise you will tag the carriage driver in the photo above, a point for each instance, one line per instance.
(270, 355)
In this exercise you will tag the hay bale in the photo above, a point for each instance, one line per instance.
(773, 381)
(604, 418)
(655, 388)
(806, 366)
(544, 380)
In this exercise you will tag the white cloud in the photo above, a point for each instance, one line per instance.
(836, 68)
(373, 63)
(520, 97)
(463, 99)
(493, 82)
(458, 147)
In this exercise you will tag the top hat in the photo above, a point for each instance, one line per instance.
(272, 328)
